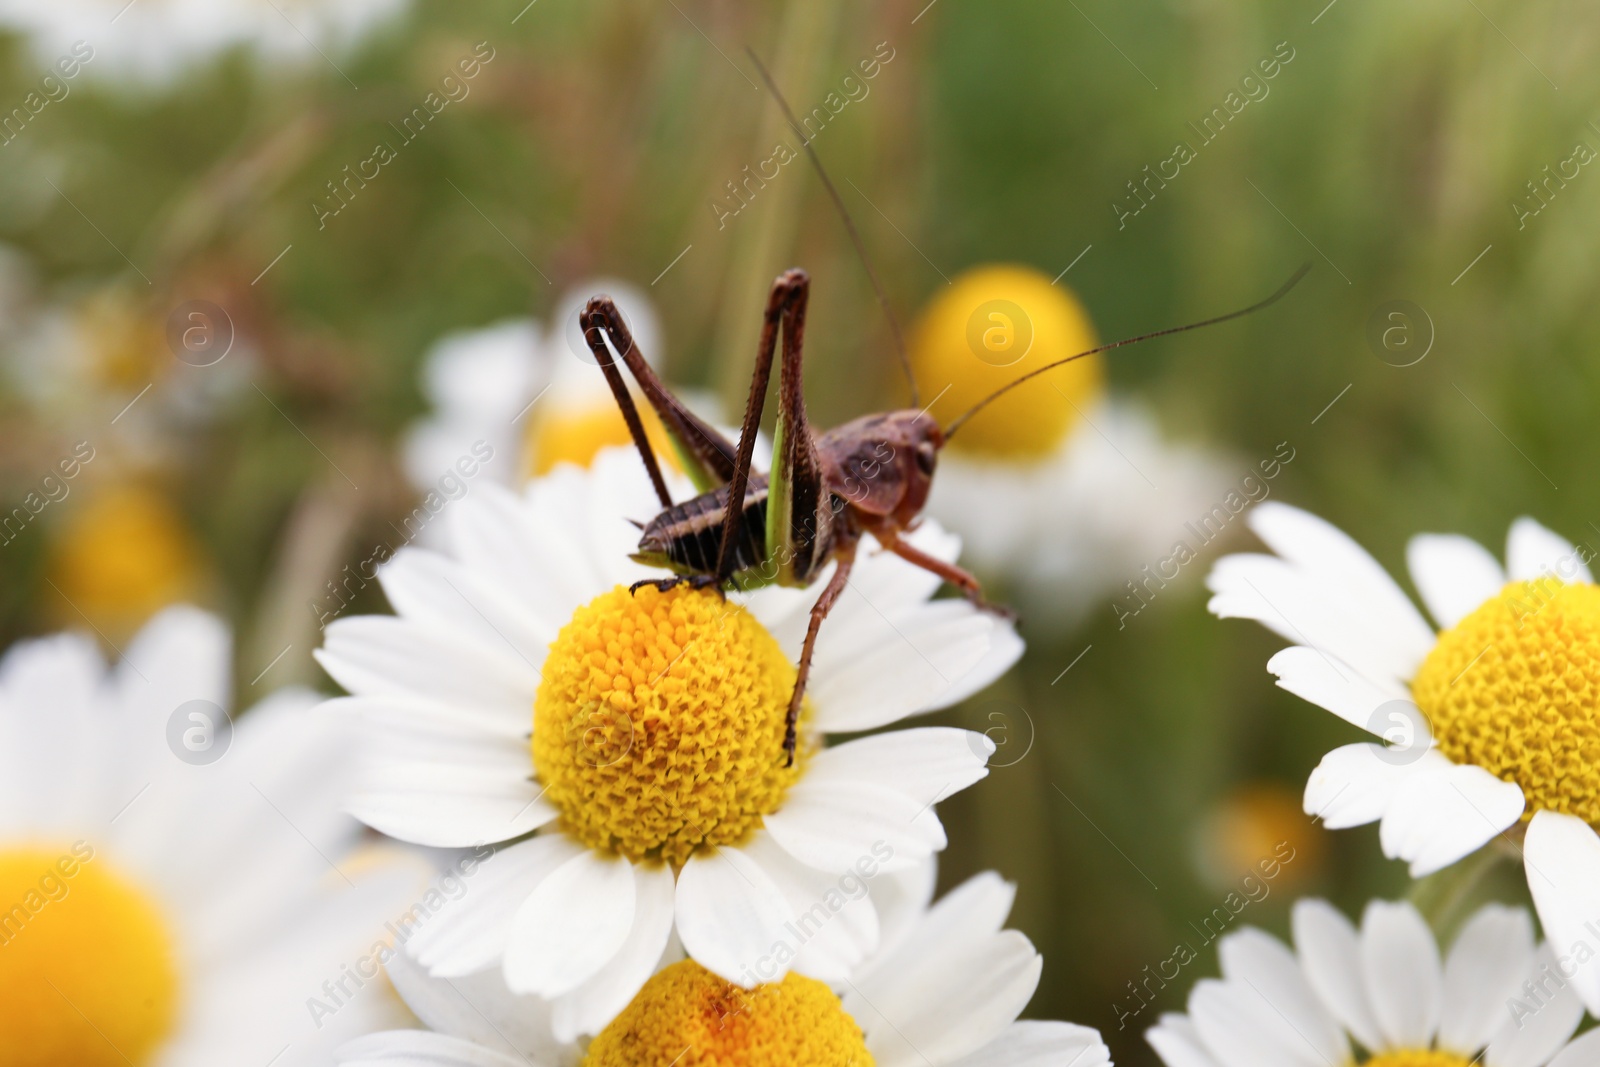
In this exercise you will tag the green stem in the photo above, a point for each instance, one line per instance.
(1443, 897)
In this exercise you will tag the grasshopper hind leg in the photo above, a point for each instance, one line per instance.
(845, 553)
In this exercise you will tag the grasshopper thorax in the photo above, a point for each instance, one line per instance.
(882, 465)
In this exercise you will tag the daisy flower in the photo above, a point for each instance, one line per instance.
(946, 992)
(1058, 486)
(1495, 997)
(157, 41)
(1490, 725)
(168, 895)
(529, 396)
(521, 687)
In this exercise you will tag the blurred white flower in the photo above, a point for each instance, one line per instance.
(174, 888)
(1058, 488)
(156, 40)
(533, 393)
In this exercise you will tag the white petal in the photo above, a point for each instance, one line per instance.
(1533, 551)
(1340, 688)
(587, 1009)
(1041, 1044)
(470, 935)
(440, 593)
(927, 764)
(1178, 1042)
(1562, 855)
(1330, 951)
(943, 1013)
(380, 655)
(909, 664)
(1446, 812)
(572, 925)
(1584, 1052)
(730, 913)
(478, 1008)
(1400, 960)
(1334, 556)
(1241, 1029)
(836, 924)
(1481, 973)
(1531, 1040)
(1294, 604)
(419, 1048)
(958, 925)
(1454, 574)
(1355, 784)
(1266, 965)
(832, 825)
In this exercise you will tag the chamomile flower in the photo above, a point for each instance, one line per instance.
(167, 888)
(156, 42)
(533, 395)
(1498, 712)
(944, 992)
(1058, 486)
(522, 688)
(1495, 997)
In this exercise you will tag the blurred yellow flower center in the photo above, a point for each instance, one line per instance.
(577, 435)
(688, 1017)
(659, 721)
(87, 969)
(1417, 1057)
(123, 554)
(1515, 688)
(990, 327)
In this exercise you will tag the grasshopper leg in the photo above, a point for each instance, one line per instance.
(693, 581)
(845, 554)
(970, 587)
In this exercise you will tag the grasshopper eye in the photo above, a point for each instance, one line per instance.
(926, 455)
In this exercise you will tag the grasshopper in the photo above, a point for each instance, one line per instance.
(825, 490)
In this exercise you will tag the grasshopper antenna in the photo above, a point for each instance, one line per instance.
(1283, 290)
(849, 225)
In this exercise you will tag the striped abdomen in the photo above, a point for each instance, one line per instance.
(688, 536)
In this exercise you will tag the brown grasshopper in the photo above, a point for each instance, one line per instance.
(869, 476)
(825, 490)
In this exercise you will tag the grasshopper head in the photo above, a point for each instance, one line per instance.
(882, 465)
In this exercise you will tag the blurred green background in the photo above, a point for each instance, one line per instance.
(1389, 153)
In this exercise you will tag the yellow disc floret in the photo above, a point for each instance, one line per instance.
(1417, 1057)
(577, 435)
(87, 973)
(688, 1017)
(1515, 688)
(990, 327)
(659, 723)
(123, 554)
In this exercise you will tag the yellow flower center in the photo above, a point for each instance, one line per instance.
(87, 969)
(659, 723)
(578, 434)
(990, 327)
(123, 554)
(1515, 688)
(688, 1017)
(1417, 1057)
